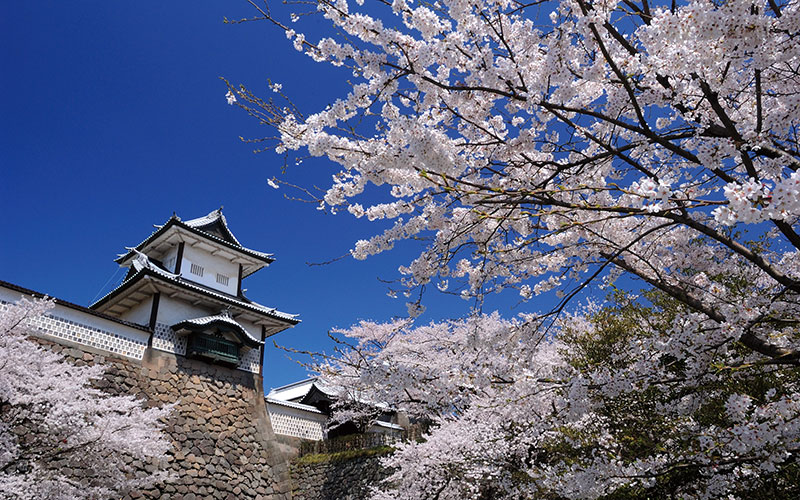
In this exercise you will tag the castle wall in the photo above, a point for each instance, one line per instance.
(171, 311)
(222, 442)
(140, 313)
(223, 446)
(336, 479)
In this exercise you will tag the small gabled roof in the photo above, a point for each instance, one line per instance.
(216, 224)
(213, 227)
(292, 404)
(316, 396)
(221, 321)
(300, 389)
(387, 425)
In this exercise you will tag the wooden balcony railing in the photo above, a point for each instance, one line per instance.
(214, 348)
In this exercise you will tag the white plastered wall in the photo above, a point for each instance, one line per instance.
(212, 265)
(169, 259)
(140, 313)
(252, 329)
(172, 310)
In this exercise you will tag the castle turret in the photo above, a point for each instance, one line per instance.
(179, 331)
(184, 283)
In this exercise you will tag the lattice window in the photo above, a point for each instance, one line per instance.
(222, 279)
(196, 269)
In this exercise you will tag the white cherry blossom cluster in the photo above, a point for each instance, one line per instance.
(752, 201)
(540, 148)
(68, 418)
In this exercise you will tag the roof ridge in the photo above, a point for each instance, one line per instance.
(212, 218)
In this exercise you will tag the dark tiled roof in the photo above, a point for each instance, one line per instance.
(216, 224)
(205, 321)
(292, 404)
(212, 226)
(242, 302)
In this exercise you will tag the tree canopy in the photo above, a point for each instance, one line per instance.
(547, 145)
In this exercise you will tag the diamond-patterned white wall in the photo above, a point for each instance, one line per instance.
(82, 333)
(297, 423)
(164, 339)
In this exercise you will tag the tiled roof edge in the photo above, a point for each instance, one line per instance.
(273, 313)
(262, 256)
(290, 404)
(220, 318)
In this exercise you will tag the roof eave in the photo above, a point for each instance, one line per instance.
(174, 221)
(294, 384)
(291, 404)
(216, 296)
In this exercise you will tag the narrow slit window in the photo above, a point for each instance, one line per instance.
(196, 270)
(222, 279)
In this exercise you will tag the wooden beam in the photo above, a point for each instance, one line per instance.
(261, 357)
(179, 258)
(153, 317)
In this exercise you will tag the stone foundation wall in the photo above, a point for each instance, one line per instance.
(222, 442)
(336, 479)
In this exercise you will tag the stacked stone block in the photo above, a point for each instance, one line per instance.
(222, 443)
(337, 479)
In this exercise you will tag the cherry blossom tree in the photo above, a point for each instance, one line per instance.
(616, 404)
(60, 438)
(544, 146)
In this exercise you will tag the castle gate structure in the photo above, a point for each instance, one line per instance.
(179, 330)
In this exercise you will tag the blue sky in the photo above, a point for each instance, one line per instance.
(113, 117)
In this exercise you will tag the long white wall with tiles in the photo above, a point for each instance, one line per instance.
(86, 329)
(117, 343)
